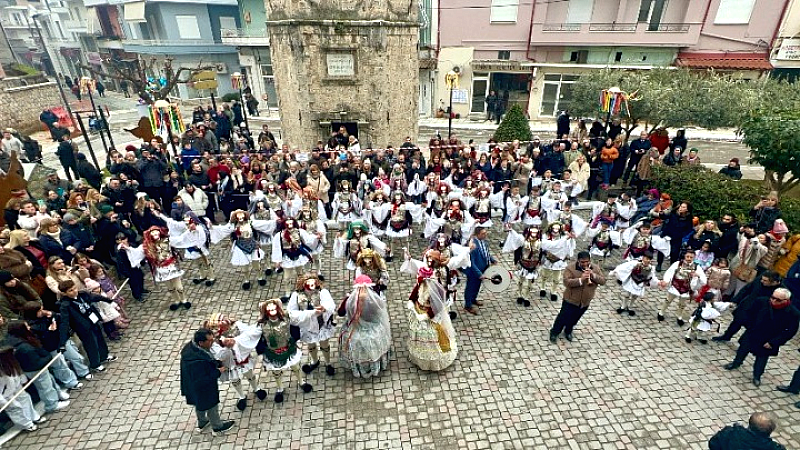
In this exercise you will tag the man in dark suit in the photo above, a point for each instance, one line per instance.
(775, 323)
(199, 374)
(481, 260)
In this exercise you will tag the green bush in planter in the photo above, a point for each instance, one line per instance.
(513, 126)
(712, 194)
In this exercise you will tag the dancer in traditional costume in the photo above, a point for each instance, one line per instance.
(574, 225)
(603, 240)
(681, 279)
(194, 236)
(366, 337)
(246, 252)
(553, 201)
(527, 248)
(371, 264)
(515, 207)
(350, 242)
(376, 213)
(402, 215)
(702, 321)
(279, 347)
(311, 308)
(316, 238)
(557, 248)
(719, 277)
(163, 263)
(626, 209)
(605, 212)
(290, 253)
(346, 205)
(431, 338)
(640, 240)
(234, 342)
(276, 202)
(636, 276)
(533, 210)
(455, 222)
(445, 259)
(437, 200)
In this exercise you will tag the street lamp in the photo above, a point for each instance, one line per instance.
(451, 80)
(163, 108)
(237, 78)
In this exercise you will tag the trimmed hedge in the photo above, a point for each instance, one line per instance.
(713, 195)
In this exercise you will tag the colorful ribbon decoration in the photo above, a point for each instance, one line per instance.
(612, 101)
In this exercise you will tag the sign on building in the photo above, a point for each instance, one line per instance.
(790, 50)
(341, 64)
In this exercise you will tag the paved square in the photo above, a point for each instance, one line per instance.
(624, 383)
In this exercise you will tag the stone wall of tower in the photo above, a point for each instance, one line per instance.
(345, 61)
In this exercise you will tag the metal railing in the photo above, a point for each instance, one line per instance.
(612, 26)
(671, 27)
(568, 27)
(172, 42)
(243, 33)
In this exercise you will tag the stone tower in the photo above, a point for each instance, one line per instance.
(345, 62)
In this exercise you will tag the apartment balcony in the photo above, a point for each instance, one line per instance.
(616, 34)
(177, 47)
(76, 26)
(64, 43)
(108, 41)
(242, 37)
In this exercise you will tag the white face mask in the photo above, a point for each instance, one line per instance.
(442, 241)
(556, 230)
(311, 285)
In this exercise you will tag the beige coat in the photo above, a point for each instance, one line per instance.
(580, 173)
(320, 186)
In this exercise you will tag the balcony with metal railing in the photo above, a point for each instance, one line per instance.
(177, 46)
(245, 37)
(617, 34)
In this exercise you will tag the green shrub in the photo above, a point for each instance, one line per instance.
(713, 195)
(230, 96)
(513, 126)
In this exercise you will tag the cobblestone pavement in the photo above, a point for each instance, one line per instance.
(624, 383)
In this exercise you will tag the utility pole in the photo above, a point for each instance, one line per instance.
(35, 18)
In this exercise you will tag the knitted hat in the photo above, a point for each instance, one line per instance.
(5, 276)
(91, 285)
(779, 227)
(69, 216)
(735, 160)
(105, 209)
(653, 192)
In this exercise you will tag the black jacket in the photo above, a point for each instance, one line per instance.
(729, 241)
(737, 437)
(88, 171)
(770, 325)
(764, 218)
(72, 318)
(30, 358)
(37, 269)
(749, 297)
(733, 172)
(84, 237)
(199, 374)
(53, 248)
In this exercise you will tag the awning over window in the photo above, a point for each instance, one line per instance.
(724, 61)
(134, 12)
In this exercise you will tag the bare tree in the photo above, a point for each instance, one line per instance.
(135, 73)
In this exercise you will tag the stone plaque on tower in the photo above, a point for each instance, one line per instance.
(350, 63)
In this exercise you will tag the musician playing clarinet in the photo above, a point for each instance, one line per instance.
(580, 282)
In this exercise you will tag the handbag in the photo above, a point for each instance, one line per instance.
(744, 273)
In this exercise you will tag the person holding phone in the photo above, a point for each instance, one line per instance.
(580, 281)
(79, 314)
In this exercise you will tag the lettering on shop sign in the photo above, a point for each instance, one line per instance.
(789, 50)
(340, 64)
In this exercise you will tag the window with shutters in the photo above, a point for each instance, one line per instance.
(504, 11)
(734, 12)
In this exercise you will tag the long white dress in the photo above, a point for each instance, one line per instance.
(366, 337)
(431, 340)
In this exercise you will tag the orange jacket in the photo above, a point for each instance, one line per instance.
(608, 155)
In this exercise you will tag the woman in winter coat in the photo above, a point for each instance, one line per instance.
(789, 253)
(765, 212)
(57, 241)
(677, 225)
(194, 198)
(580, 171)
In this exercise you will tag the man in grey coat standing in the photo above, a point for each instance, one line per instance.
(199, 374)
